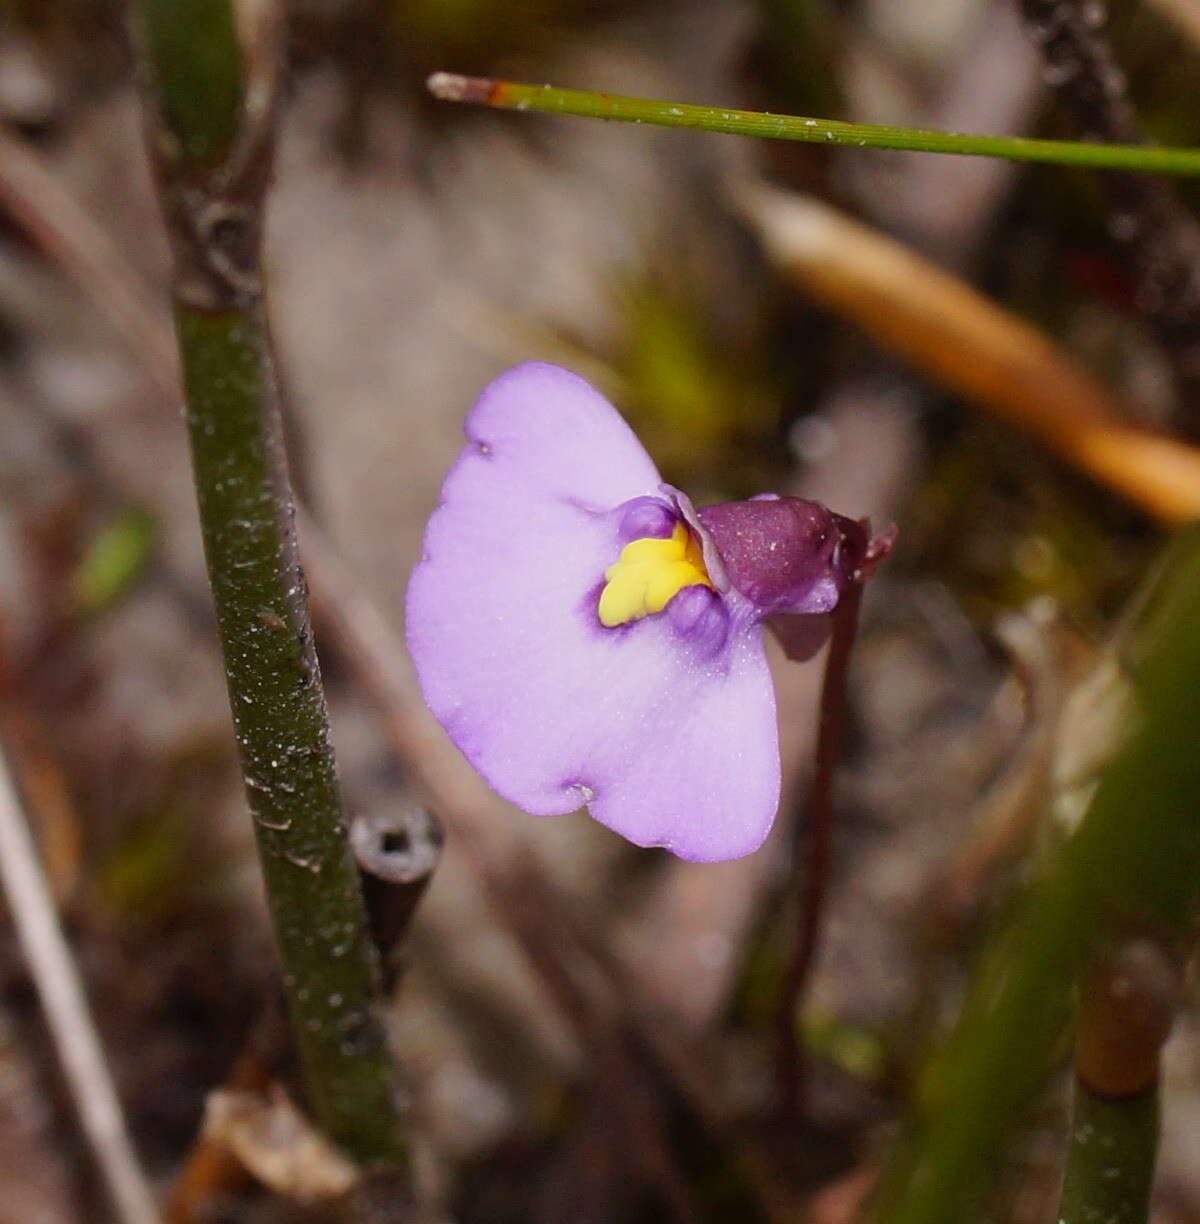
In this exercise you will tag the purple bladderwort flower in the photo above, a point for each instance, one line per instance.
(587, 637)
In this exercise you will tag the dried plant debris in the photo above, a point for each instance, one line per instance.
(276, 1143)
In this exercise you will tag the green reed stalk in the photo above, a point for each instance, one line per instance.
(512, 95)
(1110, 1163)
(211, 137)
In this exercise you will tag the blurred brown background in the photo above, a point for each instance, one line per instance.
(414, 251)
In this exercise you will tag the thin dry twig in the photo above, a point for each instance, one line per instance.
(31, 193)
(67, 1016)
(40, 778)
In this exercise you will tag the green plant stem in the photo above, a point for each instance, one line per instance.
(1127, 1003)
(511, 95)
(1133, 864)
(330, 970)
(213, 185)
(193, 47)
(1110, 1162)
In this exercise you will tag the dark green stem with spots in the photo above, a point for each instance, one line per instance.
(1110, 1166)
(1127, 1003)
(212, 159)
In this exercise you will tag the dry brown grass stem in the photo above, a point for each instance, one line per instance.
(68, 1018)
(974, 347)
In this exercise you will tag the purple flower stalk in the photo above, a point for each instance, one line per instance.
(587, 637)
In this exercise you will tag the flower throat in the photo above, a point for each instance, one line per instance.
(648, 574)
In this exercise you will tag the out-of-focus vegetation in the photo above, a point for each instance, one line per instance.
(115, 561)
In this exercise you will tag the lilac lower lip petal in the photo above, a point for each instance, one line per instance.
(662, 722)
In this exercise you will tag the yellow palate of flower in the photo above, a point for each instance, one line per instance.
(648, 574)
